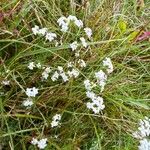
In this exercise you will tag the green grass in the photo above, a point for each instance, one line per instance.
(126, 95)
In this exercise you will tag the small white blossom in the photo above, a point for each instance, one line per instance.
(55, 76)
(72, 18)
(82, 63)
(64, 28)
(88, 32)
(31, 65)
(46, 72)
(42, 143)
(74, 45)
(143, 129)
(78, 23)
(35, 30)
(73, 73)
(5, 82)
(70, 64)
(84, 43)
(64, 77)
(60, 69)
(50, 36)
(38, 65)
(144, 144)
(56, 120)
(43, 31)
(28, 103)
(34, 141)
(101, 79)
(108, 63)
(87, 85)
(62, 20)
(31, 92)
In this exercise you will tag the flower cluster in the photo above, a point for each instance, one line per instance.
(30, 92)
(97, 102)
(32, 65)
(50, 36)
(107, 63)
(65, 21)
(143, 133)
(41, 144)
(56, 120)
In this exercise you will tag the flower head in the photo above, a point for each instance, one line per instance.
(88, 32)
(74, 45)
(28, 103)
(107, 63)
(31, 92)
(35, 30)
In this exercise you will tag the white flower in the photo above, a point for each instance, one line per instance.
(108, 63)
(47, 69)
(64, 28)
(62, 20)
(74, 45)
(34, 141)
(60, 69)
(31, 65)
(35, 30)
(55, 76)
(43, 31)
(55, 121)
(64, 76)
(31, 92)
(72, 18)
(144, 144)
(38, 65)
(87, 85)
(73, 73)
(28, 103)
(78, 23)
(50, 36)
(70, 64)
(5, 82)
(46, 72)
(91, 95)
(101, 79)
(143, 129)
(42, 143)
(84, 43)
(88, 32)
(82, 63)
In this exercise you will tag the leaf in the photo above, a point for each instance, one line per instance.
(122, 26)
(133, 35)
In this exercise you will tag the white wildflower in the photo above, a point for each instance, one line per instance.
(28, 103)
(72, 18)
(42, 143)
(50, 36)
(5, 82)
(70, 64)
(64, 77)
(87, 85)
(46, 72)
(64, 28)
(78, 23)
(82, 63)
(88, 32)
(73, 73)
(144, 144)
(31, 65)
(60, 69)
(34, 141)
(38, 65)
(101, 79)
(43, 31)
(35, 30)
(108, 63)
(31, 92)
(55, 76)
(56, 120)
(74, 45)
(84, 43)
(62, 20)
(143, 129)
